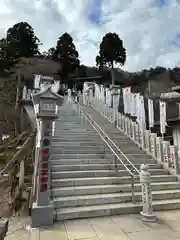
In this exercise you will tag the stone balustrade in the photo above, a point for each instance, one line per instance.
(164, 153)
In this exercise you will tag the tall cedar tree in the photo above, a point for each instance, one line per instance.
(111, 52)
(67, 55)
(20, 42)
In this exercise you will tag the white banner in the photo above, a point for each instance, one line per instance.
(140, 110)
(127, 99)
(37, 79)
(133, 104)
(163, 123)
(151, 113)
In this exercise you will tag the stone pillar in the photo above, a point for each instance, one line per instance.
(134, 131)
(123, 123)
(147, 213)
(165, 146)
(103, 109)
(129, 127)
(142, 137)
(111, 115)
(137, 133)
(147, 141)
(115, 117)
(159, 150)
(126, 125)
(153, 144)
(118, 119)
(174, 159)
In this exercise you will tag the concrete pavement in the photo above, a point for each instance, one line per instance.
(123, 227)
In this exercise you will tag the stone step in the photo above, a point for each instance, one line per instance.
(60, 167)
(81, 137)
(112, 209)
(69, 182)
(113, 188)
(79, 157)
(67, 140)
(69, 134)
(76, 149)
(88, 149)
(98, 173)
(93, 159)
(78, 144)
(75, 130)
(80, 151)
(98, 199)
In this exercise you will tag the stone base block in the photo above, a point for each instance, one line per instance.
(148, 217)
(42, 216)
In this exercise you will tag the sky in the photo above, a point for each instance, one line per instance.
(150, 29)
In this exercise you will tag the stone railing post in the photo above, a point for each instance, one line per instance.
(115, 117)
(111, 119)
(118, 120)
(147, 141)
(159, 150)
(174, 159)
(147, 213)
(166, 149)
(123, 122)
(105, 111)
(125, 125)
(129, 130)
(115, 101)
(42, 208)
(137, 133)
(142, 137)
(134, 131)
(153, 144)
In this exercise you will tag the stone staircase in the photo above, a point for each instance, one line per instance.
(85, 181)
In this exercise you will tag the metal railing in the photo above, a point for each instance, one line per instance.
(132, 170)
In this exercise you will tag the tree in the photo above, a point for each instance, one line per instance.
(20, 42)
(111, 52)
(67, 55)
(5, 61)
(157, 70)
(48, 54)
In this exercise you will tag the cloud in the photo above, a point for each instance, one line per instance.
(150, 29)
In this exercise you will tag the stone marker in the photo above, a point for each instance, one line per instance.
(147, 213)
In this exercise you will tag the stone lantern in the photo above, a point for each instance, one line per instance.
(46, 103)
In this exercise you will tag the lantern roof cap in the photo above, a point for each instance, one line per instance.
(47, 93)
